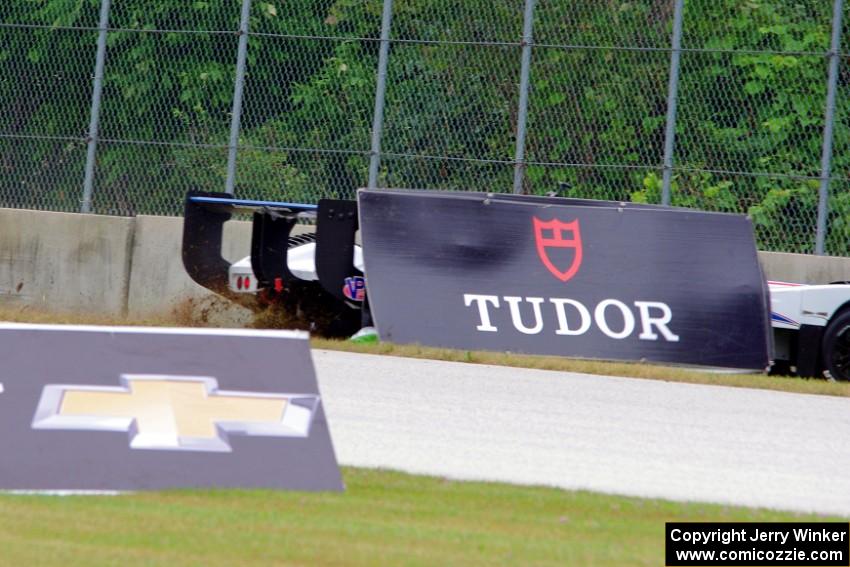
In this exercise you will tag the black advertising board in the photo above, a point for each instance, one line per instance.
(541, 275)
(131, 408)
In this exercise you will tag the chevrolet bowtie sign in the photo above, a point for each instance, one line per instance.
(110, 408)
(174, 412)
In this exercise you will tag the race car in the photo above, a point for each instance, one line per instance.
(810, 329)
(314, 280)
(317, 278)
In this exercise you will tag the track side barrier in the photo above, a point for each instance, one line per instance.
(566, 277)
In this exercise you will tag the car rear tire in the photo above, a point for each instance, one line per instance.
(835, 348)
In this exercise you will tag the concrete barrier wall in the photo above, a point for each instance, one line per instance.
(158, 283)
(116, 266)
(803, 268)
(64, 261)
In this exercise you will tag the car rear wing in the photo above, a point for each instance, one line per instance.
(205, 215)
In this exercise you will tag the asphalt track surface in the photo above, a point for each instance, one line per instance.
(614, 435)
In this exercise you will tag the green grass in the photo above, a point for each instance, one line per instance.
(383, 518)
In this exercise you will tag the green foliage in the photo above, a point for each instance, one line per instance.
(758, 109)
(749, 129)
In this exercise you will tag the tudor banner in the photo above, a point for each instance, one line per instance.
(130, 408)
(568, 277)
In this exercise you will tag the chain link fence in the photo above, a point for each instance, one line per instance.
(120, 108)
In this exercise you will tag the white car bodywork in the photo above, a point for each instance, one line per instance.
(301, 261)
(803, 338)
(793, 305)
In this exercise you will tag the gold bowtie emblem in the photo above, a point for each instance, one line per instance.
(174, 412)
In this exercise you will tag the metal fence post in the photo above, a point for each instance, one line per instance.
(380, 94)
(94, 119)
(522, 111)
(829, 119)
(672, 101)
(238, 90)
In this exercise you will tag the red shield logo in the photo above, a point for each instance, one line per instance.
(555, 234)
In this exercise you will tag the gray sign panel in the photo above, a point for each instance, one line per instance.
(568, 277)
(130, 408)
